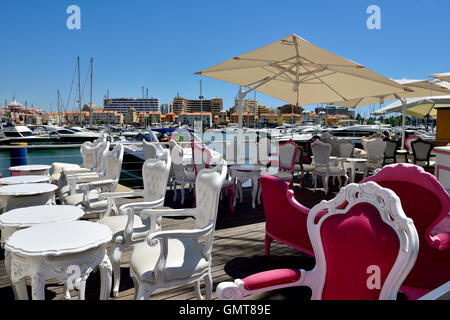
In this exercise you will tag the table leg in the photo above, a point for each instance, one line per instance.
(254, 192)
(352, 174)
(38, 287)
(259, 192)
(105, 277)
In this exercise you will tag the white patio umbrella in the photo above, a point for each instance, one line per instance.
(413, 88)
(300, 73)
(442, 76)
(417, 107)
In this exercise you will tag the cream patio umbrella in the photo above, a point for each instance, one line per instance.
(442, 76)
(300, 73)
(417, 107)
(413, 88)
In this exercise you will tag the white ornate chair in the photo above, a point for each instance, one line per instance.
(364, 245)
(287, 152)
(128, 228)
(375, 154)
(346, 149)
(149, 150)
(183, 173)
(178, 257)
(333, 141)
(88, 154)
(82, 175)
(88, 197)
(323, 167)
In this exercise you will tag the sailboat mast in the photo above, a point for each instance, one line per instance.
(59, 111)
(79, 92)
(90, 101)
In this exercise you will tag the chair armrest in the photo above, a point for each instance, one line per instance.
(442, 241)
(113, 195)
(74, 171)
(156, 214)
(130, 210)
(97, 184)
(162, 238)
(73, 180)
(261, 282)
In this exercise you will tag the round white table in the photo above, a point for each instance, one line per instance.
(67, 251)
(243, 173)
(24, 179)
(30, 169)
(354, 164)
(22, 218)
(27, 195)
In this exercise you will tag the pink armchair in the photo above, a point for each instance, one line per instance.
(285, 217)
(426, 202)
(422, 197)
(364, 246)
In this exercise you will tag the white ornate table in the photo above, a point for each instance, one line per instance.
(27, 195)
(243, 173)
(22, 218)
(30, 169)
(24, 179)
(354, 164)
(67, 251)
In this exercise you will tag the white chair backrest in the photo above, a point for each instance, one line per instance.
(149, 150)
(102, 151)
(208, 185)
(321, 152)
(100, 139)
(333, 141)
(346, 149)
(375, 149)
(263, 147)
(113, 163)
(177, 166)
(287, 153)
(155, 173)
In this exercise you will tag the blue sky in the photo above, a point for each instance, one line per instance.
(160, 44)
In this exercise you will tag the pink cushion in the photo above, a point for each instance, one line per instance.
(271, 278)
(352, 243)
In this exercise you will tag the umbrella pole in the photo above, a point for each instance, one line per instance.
(403, 122)
(241, 96)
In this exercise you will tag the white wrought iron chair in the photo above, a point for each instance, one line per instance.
(128, 228)
(88, 197)
(178, 257)
(375, 154)
(323, 167)
(364, 250)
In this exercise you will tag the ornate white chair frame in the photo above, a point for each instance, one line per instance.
(391, 213)
(155, 173)
(207, 188)
(322, 167)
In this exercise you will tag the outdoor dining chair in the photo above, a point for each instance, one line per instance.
(421, 151)
(129, 227)
(88, 195)
(390, 151)
(364, 245)
(180, 257)
(375, 154)
(287, 152)
(324, 167)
